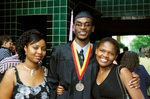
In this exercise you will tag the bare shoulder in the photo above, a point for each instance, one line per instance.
(10, 72)
(124, 70)
(9, 77)
(7, 84)
(125, 73)
(19, 66)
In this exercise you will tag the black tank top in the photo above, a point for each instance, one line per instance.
(109, 88)
(22, 91)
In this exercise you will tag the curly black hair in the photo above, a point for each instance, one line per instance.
(31, 36)
(112, 41)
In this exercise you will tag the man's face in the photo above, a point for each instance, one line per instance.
(9, 44)
(83, 28)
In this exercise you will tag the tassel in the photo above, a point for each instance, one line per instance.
(71, 24)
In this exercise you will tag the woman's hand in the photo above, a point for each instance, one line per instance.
(135, 82)
(60, 90)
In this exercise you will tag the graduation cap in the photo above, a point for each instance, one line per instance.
(83, 10)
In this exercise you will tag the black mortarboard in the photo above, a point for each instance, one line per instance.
(83, 10)
(89, 11)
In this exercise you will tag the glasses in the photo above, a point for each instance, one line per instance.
(86, 25)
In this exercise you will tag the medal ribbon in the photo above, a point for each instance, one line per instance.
(80, 71)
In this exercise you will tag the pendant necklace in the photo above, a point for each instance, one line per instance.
(32, 71)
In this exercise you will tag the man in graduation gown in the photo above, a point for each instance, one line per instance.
(67, 68)
(62, 64)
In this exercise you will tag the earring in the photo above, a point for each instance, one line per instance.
(25, 53)
(40, 62)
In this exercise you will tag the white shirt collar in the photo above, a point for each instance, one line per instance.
(85, 48)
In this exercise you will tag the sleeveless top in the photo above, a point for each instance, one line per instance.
(109, 88)
(22, 91)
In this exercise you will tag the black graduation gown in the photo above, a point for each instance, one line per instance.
(62, 71)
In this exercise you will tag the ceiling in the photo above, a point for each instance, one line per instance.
(88, 2)
(108, 27)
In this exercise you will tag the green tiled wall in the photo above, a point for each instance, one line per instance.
(119, 8)
(57, 13)
(55, 10)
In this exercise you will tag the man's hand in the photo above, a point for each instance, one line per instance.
(60, 90)
(135, 82)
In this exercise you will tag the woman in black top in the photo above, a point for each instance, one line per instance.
(106, 85)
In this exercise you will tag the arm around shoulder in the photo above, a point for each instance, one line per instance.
(126, 76)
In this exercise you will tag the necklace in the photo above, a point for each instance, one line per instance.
(32, 71)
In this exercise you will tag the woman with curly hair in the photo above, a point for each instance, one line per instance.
(131, 60)
(28, 79)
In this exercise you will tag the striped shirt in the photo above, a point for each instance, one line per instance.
(4, 53)
(8, 63)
